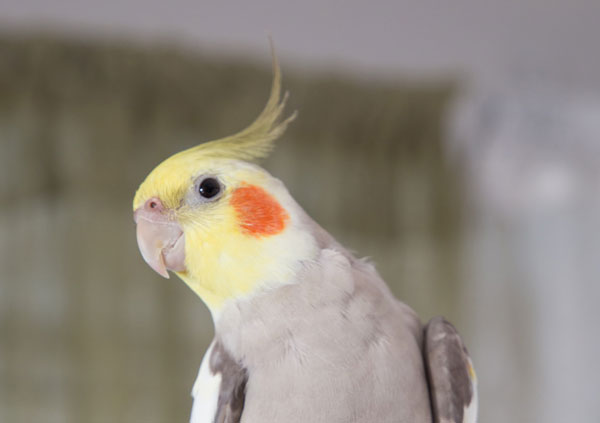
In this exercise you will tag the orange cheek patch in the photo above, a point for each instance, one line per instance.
(258, 212)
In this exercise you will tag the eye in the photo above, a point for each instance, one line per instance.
(209, 188)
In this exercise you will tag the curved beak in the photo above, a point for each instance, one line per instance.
(160, 240)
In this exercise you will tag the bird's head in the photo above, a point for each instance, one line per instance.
(220, 222)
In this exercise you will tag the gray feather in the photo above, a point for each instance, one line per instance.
(449, 371)
(233, 385)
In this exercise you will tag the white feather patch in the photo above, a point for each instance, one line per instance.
(470, 413)
(205, 392)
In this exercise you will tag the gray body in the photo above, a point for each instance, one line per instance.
(334, 347)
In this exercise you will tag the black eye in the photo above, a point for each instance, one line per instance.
(209, 188)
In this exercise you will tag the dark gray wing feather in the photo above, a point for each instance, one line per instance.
(452, 380)
(233, 385)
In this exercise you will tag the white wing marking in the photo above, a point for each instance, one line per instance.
(205, 392)
(470, 414)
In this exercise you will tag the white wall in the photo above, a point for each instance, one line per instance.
(481, 37)
(532, 155)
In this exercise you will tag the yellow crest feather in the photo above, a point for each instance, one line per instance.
(257, 140)
(170, 179)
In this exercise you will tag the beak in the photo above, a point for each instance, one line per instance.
(160, 238)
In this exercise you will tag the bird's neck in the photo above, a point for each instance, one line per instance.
(243, 267)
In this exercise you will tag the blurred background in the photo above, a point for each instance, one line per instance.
(456, 144)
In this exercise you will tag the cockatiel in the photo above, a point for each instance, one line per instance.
(304, 331)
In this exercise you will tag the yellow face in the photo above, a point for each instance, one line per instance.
(226, 227)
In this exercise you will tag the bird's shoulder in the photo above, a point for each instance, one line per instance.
(219, 390)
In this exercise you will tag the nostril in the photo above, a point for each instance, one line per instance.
(154, 204)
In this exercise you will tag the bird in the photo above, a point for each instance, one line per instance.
(304, 330)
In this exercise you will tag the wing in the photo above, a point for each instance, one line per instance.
(452, 380)
(219, 390)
